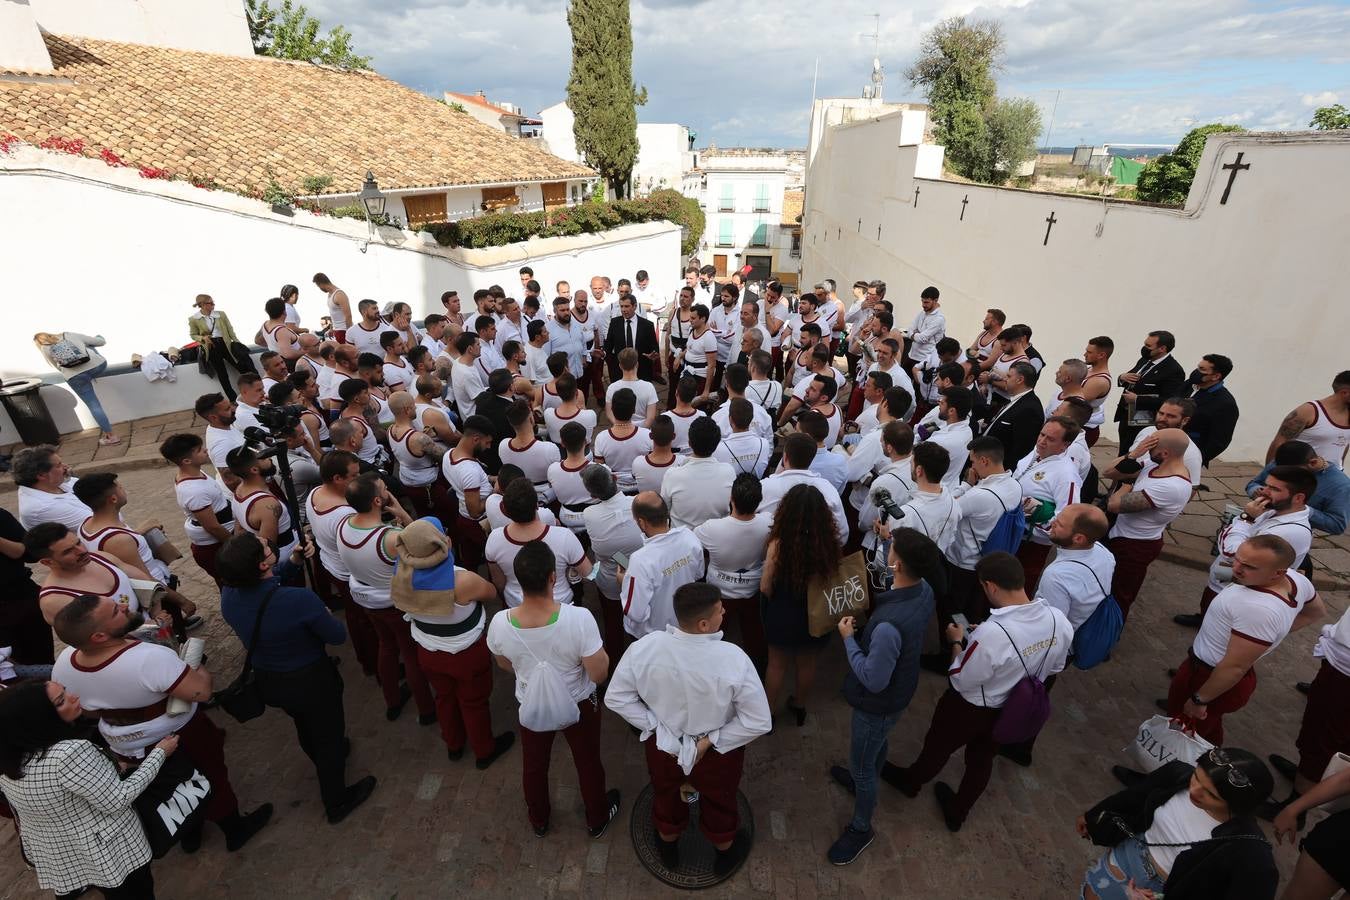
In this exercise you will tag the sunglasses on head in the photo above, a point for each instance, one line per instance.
(1221, 760)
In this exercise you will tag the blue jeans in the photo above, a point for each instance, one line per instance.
(867, 752)
(83, 386)
(1130, 859)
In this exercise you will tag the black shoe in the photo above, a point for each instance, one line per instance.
(404, 695)
(426, 718)
(938, 663)
(726, 861)
(1018, 753)
(454, 755)
(500, 744)
(540, 830)
(946, 798)
(1282, 764)
(1161, 704)
(1171, 673)
(356, 795)
(612, 798)
(1127, 777)
(898, 778)
(669, 851)
(193, 622)
(850, 844)
(843, 778)
(1189, 620)
(798, 711)
(1303, 687)
(246, 827)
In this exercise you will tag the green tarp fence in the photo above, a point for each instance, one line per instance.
(1125, 171)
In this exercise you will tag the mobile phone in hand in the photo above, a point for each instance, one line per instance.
(621, 560)
(961, 620)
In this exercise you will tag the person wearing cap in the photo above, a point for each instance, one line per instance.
(444, 606)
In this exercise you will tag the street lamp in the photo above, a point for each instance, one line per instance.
(371, 198)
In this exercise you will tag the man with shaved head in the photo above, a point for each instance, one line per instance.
(1144, 509)
(671, 556)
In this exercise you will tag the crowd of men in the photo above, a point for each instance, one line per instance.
(642, 439)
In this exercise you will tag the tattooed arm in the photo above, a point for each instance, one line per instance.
(1291, 427)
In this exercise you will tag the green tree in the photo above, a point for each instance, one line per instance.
(290, 32)
(1331, 118)
(985, 138)
(600, 90)
(1167, 179)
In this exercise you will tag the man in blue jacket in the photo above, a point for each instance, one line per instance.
(1329, 506)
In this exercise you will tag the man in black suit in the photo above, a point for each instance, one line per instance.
(1153, 379)
(628, 329)
(493, 404)
(1018, 422)
(1216, 412)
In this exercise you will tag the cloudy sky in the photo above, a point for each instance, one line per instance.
(741, 73)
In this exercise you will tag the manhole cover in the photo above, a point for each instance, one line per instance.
(696, 853)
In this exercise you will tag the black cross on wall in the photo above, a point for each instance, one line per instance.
(1233, 168)
(964, 201)
(1050, 221)
(916, 196)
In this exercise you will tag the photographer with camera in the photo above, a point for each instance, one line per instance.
(930, 510)
(256, 509)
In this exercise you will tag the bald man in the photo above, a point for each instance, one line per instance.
(1144, 508)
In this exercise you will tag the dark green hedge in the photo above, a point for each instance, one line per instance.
(497, 229)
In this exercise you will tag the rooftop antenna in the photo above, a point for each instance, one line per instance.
(873, 91)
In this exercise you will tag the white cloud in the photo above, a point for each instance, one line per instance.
(1326, 98)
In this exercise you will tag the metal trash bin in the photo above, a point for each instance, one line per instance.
(28, 411)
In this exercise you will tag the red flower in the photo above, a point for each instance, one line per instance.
(74, 146)
(7, 141)
(110, 157)
(153, 172)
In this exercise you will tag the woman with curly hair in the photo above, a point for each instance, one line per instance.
(803, 545)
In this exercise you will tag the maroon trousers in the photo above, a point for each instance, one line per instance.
(204, 743)
(716, 777)
(1191, 675)
(592, 380)
(583, 738)
(435, 499)
(748, 616)
(958, 723)
(462, 683)
(396, 643)
(1033, 556)
(205, 558)
(1133, 557)
(365, 645)
(1091, 435)
(1206, 598)
(1326, 722)
(616, 638)
(470, 542)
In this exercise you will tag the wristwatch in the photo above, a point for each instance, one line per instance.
(1195, 698)
(1246, 518)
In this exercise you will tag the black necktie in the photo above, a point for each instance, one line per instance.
(628, 329)
(1144, 371)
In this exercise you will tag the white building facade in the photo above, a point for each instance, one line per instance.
(741, 193)
(665, 151)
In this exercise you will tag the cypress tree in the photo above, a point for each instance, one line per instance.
(600, 90)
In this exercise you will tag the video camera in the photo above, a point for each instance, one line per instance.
(887, 504)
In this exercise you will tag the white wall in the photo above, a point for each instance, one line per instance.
(214, 26)
(663, 157)
(1260, 279)
(558, 136)
(104, 251)
(22, 48)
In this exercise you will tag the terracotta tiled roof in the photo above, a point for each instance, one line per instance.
(793, 201)
(231, 119)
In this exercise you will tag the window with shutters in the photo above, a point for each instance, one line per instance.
(728, 201)
(760, 236)
(499, 198)
(761, 197)
(555, 194)
(725, 227)
(423, 209)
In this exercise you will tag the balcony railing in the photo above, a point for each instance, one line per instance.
(761, 206)
(795, 253)
(726, 206)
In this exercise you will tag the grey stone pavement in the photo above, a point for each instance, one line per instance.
(436, 828)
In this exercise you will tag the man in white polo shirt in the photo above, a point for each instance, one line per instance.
(930, 510)
(741, 448)
(798, 451)
(988, 492)
(612, 531)
(953, 432)
(1279, 507)
(672, 556)
(1021, 635)
(46, 488)
(700, 489)
(1244, 623)
(1079, 578)
(1049, 482)
(521, 506)
(1144, 509)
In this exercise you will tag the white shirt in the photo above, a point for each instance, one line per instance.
(554, 422)
(533, 459)
(370, 569)
(465, 386)
(502, 548)
(954, 438)
(896, 478)
(1256, 614)
(1178, 821)
(612, 529)
(619, 453)
(245, 416)
(571, 491)
(736, 550)
(1081, 455)
(985, 674)
(1326, 437)
(981, 507)
(761, 423)
(1192, 458)
(195, 495)
(649, 476)
(643, 392)
(864, 462)
(399, 376)
(1334, 645)
(563, 644)
(434, 347)
(935, 515)
(1077, 581)
(680, 686)
(1294, 527)
(1054, 478)
(698, 491)
(324, 523)
(698, 351)
(776, 486)
(927, 329)
(867, 419)
(212, 323)
(492, 510)
(655, 570)
(681, 422)
(1167, 498)
(36, 507)
(724, 323)
(451, 643)
(137, 675)
(463, 476)
(368, 340)
(745, 452)
(765, 394)
(489, 360)
(536, 364)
